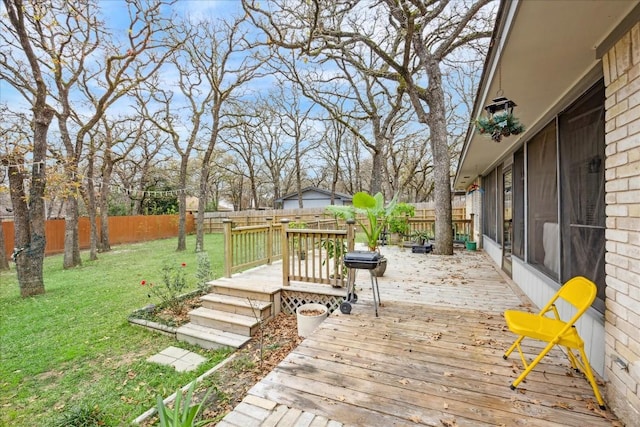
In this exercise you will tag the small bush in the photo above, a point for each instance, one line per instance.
(81, 416)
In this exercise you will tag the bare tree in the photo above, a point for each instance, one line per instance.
(294, 119)
(119, 138)
(82, 72)
(29, 209)
(223, 53)
(411, 37)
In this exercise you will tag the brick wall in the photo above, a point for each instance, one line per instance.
(621, 67)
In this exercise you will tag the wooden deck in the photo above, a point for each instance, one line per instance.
(433, 357)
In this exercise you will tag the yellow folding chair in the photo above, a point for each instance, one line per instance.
(580, 293)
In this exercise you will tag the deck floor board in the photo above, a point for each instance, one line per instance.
(432, 357)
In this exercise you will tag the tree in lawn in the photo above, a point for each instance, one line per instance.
(5, 147)
(119, 137)
(28, 203)
(413, 38)
(223, 53)
(83, 70)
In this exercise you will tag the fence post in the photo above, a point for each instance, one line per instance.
(269, 240)
(285, 252)
(228, 246)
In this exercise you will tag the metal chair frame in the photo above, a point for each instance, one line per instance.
(580, 292)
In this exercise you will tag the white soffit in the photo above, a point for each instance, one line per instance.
(550, 46)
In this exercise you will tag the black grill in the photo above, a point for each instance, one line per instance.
(366, 260)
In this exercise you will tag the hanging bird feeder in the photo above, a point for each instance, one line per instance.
(499, 121)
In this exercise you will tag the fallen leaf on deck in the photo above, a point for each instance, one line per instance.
(404, 381)
(448, 374)
(416, 419)
(563, 405)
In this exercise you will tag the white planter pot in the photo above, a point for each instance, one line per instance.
(307, 324)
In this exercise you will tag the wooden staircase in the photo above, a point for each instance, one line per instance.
(230, 314)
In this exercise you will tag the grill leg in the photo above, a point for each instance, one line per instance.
(375, 291)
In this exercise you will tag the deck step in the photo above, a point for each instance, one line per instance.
(237, 305)
(210, 338)
(241, 289)
(228, 322)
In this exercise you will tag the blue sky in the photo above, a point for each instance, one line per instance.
(115, 16)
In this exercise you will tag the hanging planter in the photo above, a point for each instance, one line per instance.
(500, 121)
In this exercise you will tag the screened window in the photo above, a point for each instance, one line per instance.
(542, 194)
(581, 131)
(490, 205)
(518, 203)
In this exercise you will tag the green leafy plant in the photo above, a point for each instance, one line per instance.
(335, 249)
(398, 221)
(421, 236)
(173, 285)
(499, 125)
(80, 416)
(298, 242)
(203, 272)
(182, 414)
(373, 209)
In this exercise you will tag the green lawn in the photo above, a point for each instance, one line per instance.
(72, 351)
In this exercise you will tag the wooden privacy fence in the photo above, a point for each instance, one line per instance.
(122, 229)
(313, 218)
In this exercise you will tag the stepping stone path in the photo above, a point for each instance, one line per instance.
(180, 359)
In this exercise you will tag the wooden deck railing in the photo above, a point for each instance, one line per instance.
(462, 229)
(308, 254)
(315, 256)
(250, 246)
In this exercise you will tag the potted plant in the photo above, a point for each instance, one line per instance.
(420, 236)
(499, 125)
(398, 223)
(376, 216)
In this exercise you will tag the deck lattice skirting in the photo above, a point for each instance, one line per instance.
(292, 299)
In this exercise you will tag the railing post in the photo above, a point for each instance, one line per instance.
(351, 235)
(471, 236)
(285, 252)
(228, 247)
(269, 240)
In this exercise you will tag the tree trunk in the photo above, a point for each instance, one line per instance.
(104, 245)
(71, 235)
(376, 171)
(202, 201)
(91, 209)
(441, 160)
(182, 207)
(4, 263)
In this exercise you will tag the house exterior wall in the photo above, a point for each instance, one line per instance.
(310, 199)
(621, 67)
